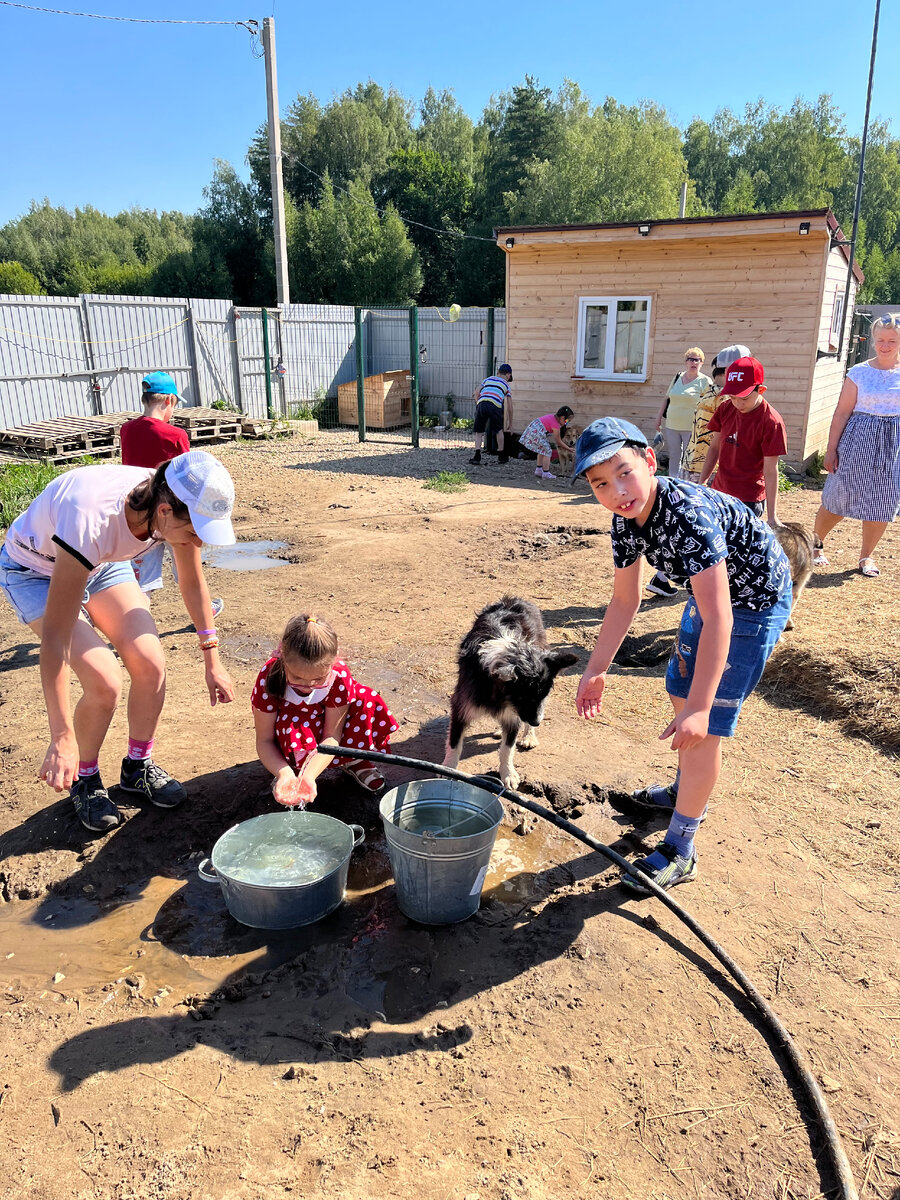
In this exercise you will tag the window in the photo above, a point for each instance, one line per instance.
(612, 337)
(837, 319)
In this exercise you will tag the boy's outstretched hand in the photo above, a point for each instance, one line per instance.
(689, 729)
(589, 699)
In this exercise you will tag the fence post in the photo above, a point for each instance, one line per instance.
(490, 340)
(87, 339)
(192, 349)
(414, 373)
(267, 365)
(360, 373)
(231, 325)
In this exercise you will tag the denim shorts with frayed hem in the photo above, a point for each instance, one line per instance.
(27, 590)
(754, 636)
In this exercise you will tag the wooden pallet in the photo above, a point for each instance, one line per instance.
(60, 439)
(190, 418)
(208, 433)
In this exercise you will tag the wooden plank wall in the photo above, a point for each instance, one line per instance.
(762, 290)
(828, 373)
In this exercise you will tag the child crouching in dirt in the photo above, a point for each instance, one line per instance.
(741, 598)
(305, 695)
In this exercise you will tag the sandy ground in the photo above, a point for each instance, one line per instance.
(567, 1041)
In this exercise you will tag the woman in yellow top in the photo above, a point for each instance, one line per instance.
(677, 410)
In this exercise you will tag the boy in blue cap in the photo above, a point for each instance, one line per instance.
(740, 584)
(149, 441)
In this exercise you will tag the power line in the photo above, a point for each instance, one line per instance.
(62, 12)
(469, 237)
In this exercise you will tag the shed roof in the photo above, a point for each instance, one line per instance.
(825, 214)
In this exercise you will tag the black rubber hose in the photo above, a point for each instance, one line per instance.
(770, 1018)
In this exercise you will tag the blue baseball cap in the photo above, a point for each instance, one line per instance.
(604, 438)
(160, 383)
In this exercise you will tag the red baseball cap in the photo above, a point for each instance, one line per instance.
(743, 376)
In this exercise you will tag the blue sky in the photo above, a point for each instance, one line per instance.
(115, 115)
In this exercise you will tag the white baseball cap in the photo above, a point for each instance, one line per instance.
(202, 483)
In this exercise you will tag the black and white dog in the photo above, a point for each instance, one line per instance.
(506, 672)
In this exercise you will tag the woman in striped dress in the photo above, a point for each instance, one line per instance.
(863, 455)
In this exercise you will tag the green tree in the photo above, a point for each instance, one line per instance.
(342, 251)
(447, 129)
(427, 189)
(615, 163)
(15, 280)
(232, 244)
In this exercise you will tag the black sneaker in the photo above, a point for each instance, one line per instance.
(152, 782)
(502, 459)
(92, 803)
(660, 586)
(476, 458)
(677, 869)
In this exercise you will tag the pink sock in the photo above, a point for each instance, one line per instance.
(139, 750)
(88, 768)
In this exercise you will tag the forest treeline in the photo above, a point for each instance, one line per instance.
(389, 201)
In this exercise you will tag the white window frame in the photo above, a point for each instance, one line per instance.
(837, 318)
(584, 302)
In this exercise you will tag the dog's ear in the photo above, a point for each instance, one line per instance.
(504, 671)
(558, 660)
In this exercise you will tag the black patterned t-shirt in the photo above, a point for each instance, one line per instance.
(691, 528)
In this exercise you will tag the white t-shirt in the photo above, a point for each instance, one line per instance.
(82, 512)
(878, 392)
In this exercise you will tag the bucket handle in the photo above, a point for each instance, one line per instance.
(358, 834)
(207, 871)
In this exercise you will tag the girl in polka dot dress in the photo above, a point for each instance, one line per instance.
(305, 695)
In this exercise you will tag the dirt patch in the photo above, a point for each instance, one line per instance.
(567, 1041)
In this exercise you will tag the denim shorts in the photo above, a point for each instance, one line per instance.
(149, 565)
(26, 590)
(754, 636)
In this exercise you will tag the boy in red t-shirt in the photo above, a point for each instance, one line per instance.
(147, 441)
(748, 438)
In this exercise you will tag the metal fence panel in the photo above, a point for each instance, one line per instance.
(51, 349)
(136, 334)
(41, 348)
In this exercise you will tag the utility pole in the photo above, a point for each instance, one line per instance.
(275, 174)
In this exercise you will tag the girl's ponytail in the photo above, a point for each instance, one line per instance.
(147, 497)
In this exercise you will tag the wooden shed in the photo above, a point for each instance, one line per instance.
(599, 316)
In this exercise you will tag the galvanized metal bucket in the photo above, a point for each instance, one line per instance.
(282, 870)
(440, 834)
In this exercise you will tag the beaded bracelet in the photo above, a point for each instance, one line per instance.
(209, 645)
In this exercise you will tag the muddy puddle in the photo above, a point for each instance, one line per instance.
(176, 935)
(245, 556)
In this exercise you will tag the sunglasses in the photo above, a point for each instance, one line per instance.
(690, 358)
(891, 322)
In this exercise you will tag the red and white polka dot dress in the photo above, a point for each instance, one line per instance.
(299, 726)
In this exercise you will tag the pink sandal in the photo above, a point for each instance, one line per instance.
(366, 776)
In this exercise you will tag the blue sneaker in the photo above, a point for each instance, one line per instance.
(676, 869)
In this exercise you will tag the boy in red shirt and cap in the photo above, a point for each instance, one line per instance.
(149, 441)
(748, 438)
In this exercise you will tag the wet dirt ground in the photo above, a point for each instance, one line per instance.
(566, 1041)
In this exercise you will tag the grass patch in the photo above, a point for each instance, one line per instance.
(19, 484)
(447, 481)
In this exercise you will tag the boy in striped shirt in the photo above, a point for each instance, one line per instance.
(493, 411)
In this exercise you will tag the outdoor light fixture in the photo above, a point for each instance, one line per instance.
(644, 230)
(804, 227)
(510, 242)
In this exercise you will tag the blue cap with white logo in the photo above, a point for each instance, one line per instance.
(602, 439)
